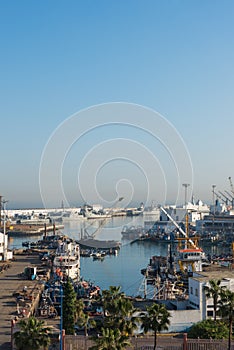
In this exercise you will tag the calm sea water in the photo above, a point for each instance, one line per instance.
(121, 270)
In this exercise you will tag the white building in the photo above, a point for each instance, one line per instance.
(197, 307)
(195, 211)
(5, 254)
(197, 297)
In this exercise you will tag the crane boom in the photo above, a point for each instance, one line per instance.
(224, 196)
(103, 221)
(230, 195)
(231, 184)
(218, 196)
(179, 228)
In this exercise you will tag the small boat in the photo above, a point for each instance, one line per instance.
(98, 256)
(26, 244)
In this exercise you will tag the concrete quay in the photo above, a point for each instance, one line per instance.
(11, 283)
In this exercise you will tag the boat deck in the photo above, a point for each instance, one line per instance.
(96, 244)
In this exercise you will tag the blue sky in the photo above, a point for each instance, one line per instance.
(57, 58)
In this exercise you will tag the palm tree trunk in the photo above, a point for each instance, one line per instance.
(155, 340)
(215, 307)
(230, 333)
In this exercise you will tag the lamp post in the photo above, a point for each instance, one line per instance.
(61, 317)
(0, 211)
(5, 237)
(185, 194)
(214, 206)
(186, 214)
(213, 193)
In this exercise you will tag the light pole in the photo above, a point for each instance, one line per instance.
(213, 192)
(5, 237)
(185, 194)
(61, 318)
(0, 211)
(186, 215)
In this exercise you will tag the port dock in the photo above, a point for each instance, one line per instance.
(12, 283)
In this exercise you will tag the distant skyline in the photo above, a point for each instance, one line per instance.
(60, 59)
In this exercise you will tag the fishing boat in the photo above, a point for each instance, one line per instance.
(132, 232)
(67, 260)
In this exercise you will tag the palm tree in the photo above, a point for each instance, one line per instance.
(119, 311)
(156, 319)
(87, 322)
(125, 318)
(32, 334)
(226, 310)
(109, 299)
(213, 291)
(110, 339)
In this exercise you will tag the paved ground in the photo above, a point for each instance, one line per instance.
(9, 283)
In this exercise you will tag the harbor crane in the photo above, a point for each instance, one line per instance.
(103, 221)
(227, 200)
(221, 198)
(231, 185)
(179, 228)
(230, 196)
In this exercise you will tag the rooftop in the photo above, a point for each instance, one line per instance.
(214, 272)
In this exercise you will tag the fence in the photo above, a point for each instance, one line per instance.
(204, 344)
(146, 343)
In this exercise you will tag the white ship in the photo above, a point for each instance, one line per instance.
(95, 212)
(67, 260)
(73, 215)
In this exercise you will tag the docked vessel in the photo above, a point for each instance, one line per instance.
(132, 232)
(67, 260)
(73, 215)
(135, 211)
(170, 274)
(94, 212)
(152, 213)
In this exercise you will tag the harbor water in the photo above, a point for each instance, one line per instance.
(124, 269)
